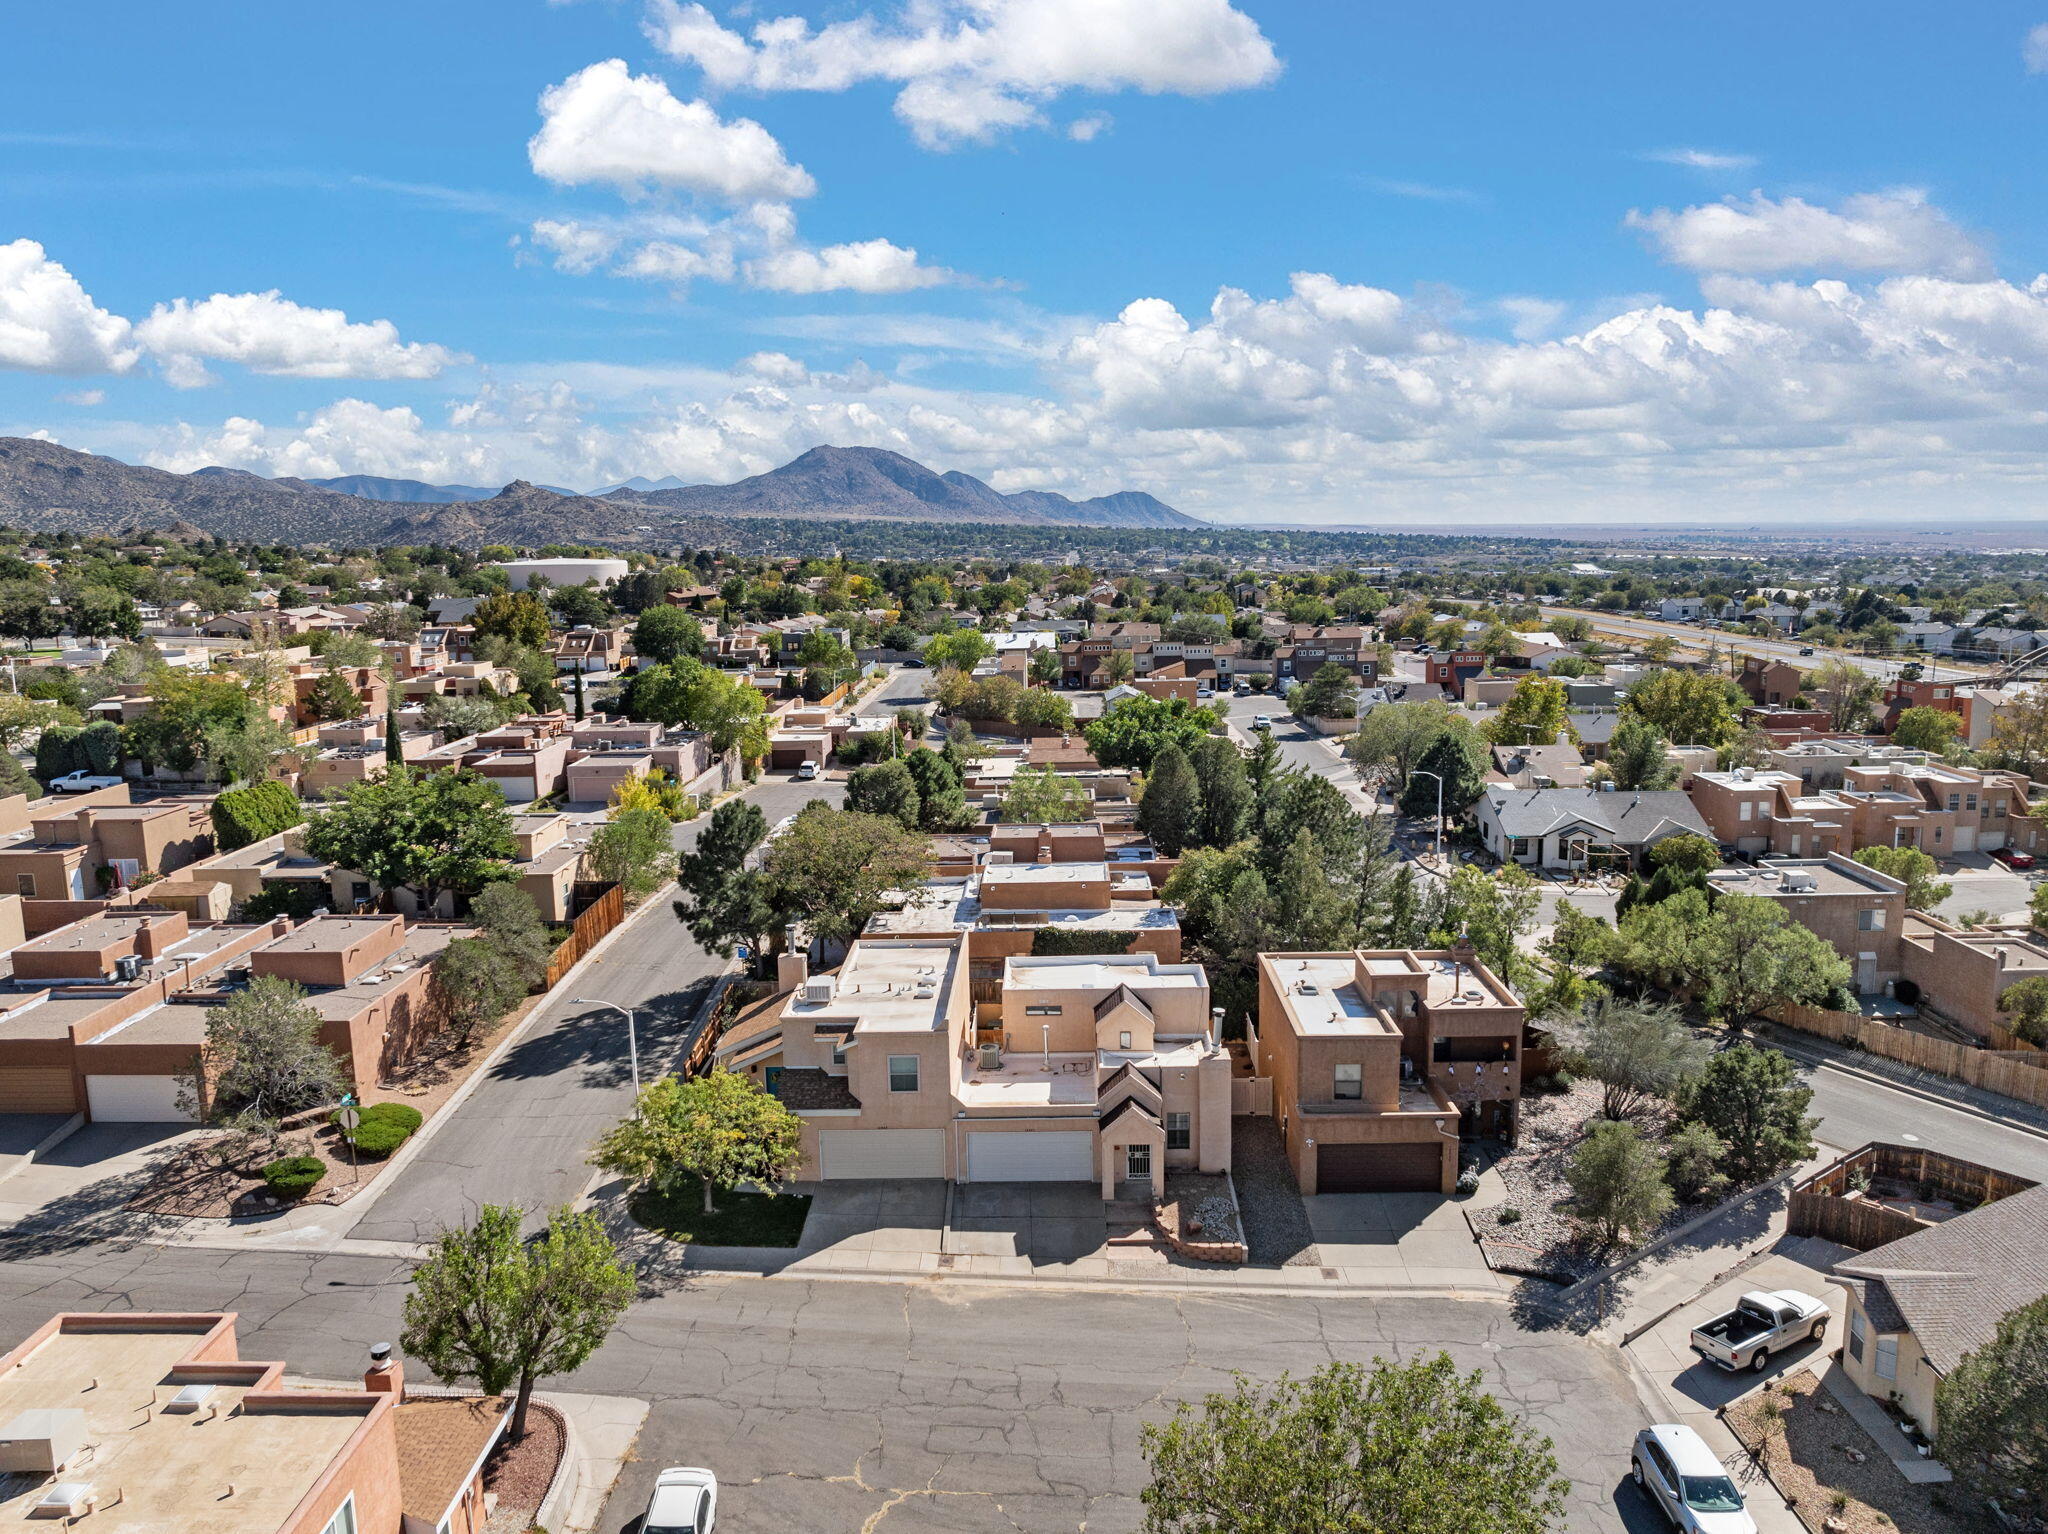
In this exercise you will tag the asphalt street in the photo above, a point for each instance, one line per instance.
(897, 1407)
(1771, 649)
(522, 1136)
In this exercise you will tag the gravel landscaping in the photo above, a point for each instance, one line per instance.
(519, 1475)
(1530, 1231)
(1276, 1229)
(1839, 1480)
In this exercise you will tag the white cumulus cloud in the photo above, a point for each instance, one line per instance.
(604, 124)
(49, 324)
(971, 69)
(2034, 50)
(1701, 159)
(865, 266)
(1893, 231)
(268, 333)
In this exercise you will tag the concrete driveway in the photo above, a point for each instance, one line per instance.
(857, 1216)
(1042, 1222)
(1418, 1239)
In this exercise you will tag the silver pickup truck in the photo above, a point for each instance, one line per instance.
(1761, 1324)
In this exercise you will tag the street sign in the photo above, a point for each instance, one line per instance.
(347, 1119)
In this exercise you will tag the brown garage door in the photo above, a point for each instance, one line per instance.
(1369, 1168)
(38, 1090)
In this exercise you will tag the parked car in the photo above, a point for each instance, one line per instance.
(1761, 1324)
(1242, 687)
(1263, 722)
(685, 1501)
(1677, 1471)
(806, 771)
(83, 782)
(1806, 650)
(2012, 857)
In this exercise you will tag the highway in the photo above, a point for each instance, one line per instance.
(1771, 649)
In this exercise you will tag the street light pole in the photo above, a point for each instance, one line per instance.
(632, 1039)
(1436, 847)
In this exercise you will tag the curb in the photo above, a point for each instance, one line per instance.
(568, 1475)
(1806, 1052)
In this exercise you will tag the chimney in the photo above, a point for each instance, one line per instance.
(793, 967)
(386, 1375)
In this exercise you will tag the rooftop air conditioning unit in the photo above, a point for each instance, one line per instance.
(41, 1441)
(128, 967)
(818, 988)
(991, 1057)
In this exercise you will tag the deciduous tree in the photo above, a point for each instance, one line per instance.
(427, 832)
(719, 1128)
(1617, 1183)
(1754, 1100)
(1992, 1412)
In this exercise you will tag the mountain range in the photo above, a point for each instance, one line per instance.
(46, 487)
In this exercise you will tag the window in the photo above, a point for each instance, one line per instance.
(1858, 1331)
(1887, 1358)
(1349, 1082)
(1042, 1009)
(839, 1051)
(1871, 920)
(1748, 809)
(25, 886)
(1123, 1039)
(1179, 1131)
(903, 1073)
(1954, 802)
(344, 1519)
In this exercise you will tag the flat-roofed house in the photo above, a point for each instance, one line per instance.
(1377, 1058)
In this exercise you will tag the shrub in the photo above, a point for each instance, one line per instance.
(293, 1177)
(383, 1127)
(1468, 1181)
(1509, 1215)
(245, 815)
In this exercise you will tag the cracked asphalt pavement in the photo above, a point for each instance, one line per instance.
(828, 1406)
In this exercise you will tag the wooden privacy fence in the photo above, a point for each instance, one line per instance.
(1831, 1204)
(735, 996)
(602, 914)
(2018, 1073)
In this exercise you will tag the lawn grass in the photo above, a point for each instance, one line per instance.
(743, 1219)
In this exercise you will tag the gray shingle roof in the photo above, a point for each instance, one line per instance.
(1628, 818)
(1952, 1283)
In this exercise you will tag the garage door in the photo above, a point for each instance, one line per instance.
(1032, 1156)
(1379, 1168)
(135, 1100)
(39, 1090)
(882, 1153)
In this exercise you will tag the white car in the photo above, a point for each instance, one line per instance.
(806, 772)
(1678, 1472)
(83, 782)
(685, 1501)
(1263, 722)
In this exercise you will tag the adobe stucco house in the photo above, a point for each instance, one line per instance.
(1103, 1069)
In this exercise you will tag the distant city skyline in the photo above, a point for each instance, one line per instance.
(1269, 260)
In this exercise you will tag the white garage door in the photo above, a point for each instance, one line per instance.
(135, 1100)
(882, 1153)
(1031, 1156)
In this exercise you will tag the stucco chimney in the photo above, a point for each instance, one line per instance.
(793, 967)
(386, 1375)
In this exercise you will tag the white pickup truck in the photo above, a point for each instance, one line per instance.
(83, 782)
(1761, 1324)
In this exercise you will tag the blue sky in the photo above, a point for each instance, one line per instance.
(1272, 261)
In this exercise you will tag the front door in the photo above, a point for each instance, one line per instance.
(1138, 1162)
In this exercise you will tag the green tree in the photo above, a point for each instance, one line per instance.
(574, 605)
(1332, 693)
(962, 649)
(1225, 790)
(665, 634)
(1459, 760)
(724, 903)
(632, 849)
(426, 832)
(1692, 1163)
(1391, 739)
(333, 698)
(1045, 666)
(1694, 708)
(2026, 1003)
(1170, 811)
(1932, 730)
(1849, 693)
(511, 923)
(478, 983)
(1140, 728)
(262, 1057)
(719, 1128)
(1686, 853)
(1494, 911)
(833, 870)
(1913, 868)
(491, 1306)
(1757, 956)
(1662, 943)
(1039, 796)
(1534, 714)
(1637, 1051)
(518, 616)
(244, 815)
(1413, 1447)
(1754, 1100)
(1992, 1412)
(1638, 758)
(942, 802)
(1617, 1183)
(888, 789)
